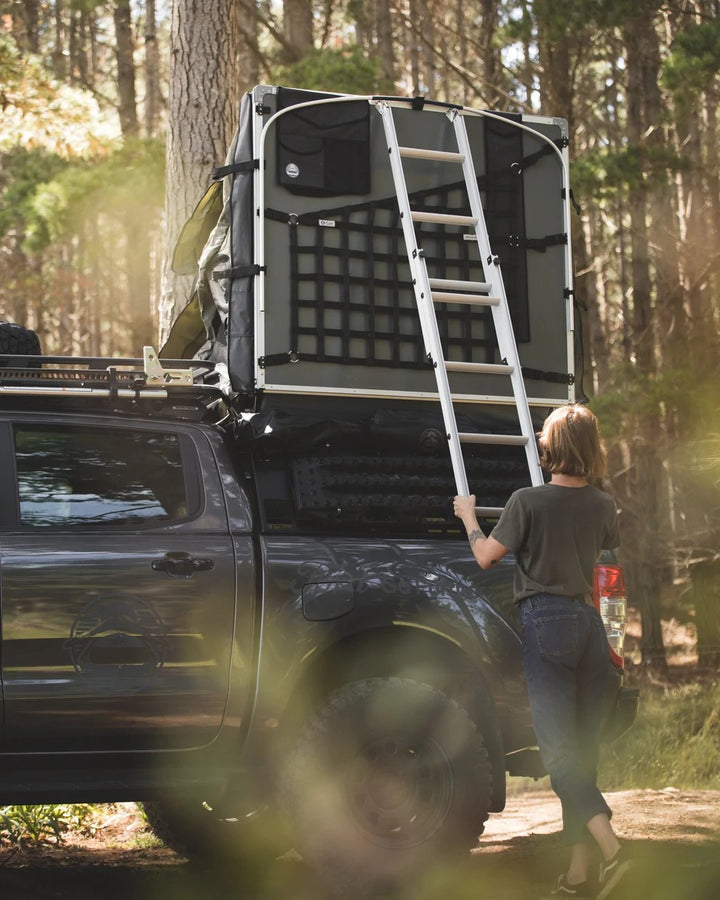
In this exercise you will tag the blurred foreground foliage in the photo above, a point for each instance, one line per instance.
(675, 743)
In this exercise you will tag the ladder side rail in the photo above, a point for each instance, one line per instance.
(501, 311)
(423, 297)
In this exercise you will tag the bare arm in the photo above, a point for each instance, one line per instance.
(486, 550)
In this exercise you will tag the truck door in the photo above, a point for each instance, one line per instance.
(118, 586)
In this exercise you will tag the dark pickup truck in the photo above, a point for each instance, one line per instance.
(218, 614)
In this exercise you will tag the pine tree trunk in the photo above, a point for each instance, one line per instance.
(413, 48)
(203, 101)
(556, 95)
(706, 600)
(586, 291)
(647, 566)
(249, 56)
(127, 104)
(490, 61)
(386, 46)
(297, 28)
(462, 46)
(25, 25)
(152, 70)
(427, 27)
(58, 53)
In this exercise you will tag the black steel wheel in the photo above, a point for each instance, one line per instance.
(387, 777)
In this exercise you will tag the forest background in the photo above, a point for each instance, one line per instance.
(104, 104)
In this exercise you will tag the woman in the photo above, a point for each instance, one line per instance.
(556, 532)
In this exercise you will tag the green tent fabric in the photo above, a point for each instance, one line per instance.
(196, 231)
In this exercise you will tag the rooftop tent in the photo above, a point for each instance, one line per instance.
(303, 283)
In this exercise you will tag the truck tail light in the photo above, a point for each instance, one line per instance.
(610, 599)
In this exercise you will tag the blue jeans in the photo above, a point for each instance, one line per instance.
(567, 666)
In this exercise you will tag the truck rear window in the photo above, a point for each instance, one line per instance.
(72, 476)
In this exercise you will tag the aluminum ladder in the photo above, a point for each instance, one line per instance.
(491, 293)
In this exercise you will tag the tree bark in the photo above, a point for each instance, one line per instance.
(249, 56)
(127, 103)
(152, 70)
(490, 60)
(386, 46)
(58, 53)
(297, 28)
(203, 100)
(427, 28)
(556, 82)
(647, 565)
(412, 54)
(25, 21)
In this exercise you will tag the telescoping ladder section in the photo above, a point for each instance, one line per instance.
(431, 290)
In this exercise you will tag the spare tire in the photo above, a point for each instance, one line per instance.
(18, 341)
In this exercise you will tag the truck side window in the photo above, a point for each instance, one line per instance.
(70, 477)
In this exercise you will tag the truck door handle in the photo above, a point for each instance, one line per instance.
(181, 565)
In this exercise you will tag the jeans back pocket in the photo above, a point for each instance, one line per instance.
(557, 635)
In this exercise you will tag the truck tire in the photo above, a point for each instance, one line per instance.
(18, 340)
(388, 776)
(193, 830)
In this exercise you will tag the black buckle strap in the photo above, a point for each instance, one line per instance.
(238, 272)
(555, 377)
(517, 168)
(236, 168)
(539, 244)
(280, 359)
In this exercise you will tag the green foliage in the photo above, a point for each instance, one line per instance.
(345, 70)
(675, 741)
(21, 173)
(19, 824)
(86, 6)
(568, 17)
(515, 25)
(637, 395)
(601, 173)
(558, 18)
(48, 198)
(10, 64)
(694, 61)
(615, 13)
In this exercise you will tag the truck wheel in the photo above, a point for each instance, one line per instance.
(191, 829)
(18, 340)
(387, 777)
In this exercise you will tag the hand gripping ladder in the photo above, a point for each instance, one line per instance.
(429, 291)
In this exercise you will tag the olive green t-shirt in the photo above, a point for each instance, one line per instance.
(556, 534)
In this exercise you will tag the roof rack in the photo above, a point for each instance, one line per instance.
(113, 377)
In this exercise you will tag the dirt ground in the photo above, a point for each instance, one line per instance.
(674, 835)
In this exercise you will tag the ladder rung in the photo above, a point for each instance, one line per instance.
(479, 368)
(488, 512)
(449, 297)
(510, 440)
(448, 284)
(442, 218)
(440, 155)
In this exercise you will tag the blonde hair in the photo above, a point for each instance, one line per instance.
(570, 443)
